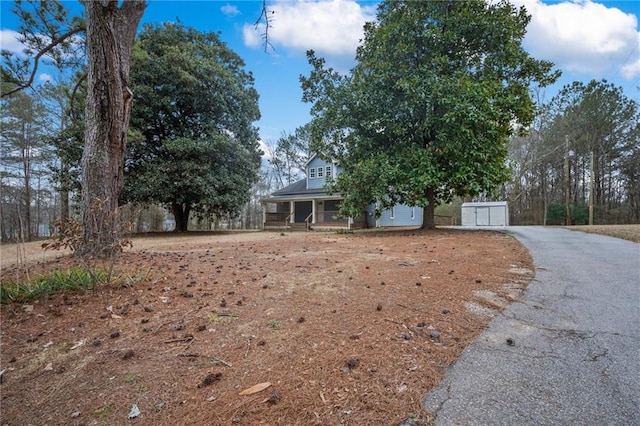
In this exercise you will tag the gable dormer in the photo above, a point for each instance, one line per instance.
(319, 171)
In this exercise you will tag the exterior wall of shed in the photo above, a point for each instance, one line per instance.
(485, 215)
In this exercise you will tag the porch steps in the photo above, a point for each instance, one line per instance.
(298, 227)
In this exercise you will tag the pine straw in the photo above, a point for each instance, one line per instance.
(349, 329)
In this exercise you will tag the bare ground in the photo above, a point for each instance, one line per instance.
(349, 329)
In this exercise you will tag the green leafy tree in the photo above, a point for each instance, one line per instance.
(426, 113)
(194, 110)
(65, 102)
(48, 30)
(596, 118)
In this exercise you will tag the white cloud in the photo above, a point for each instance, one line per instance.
(265, 149)
(9, 41)
(630, 71)
(45, 77)
(252, 35)
(584, 37)
(229, 10)
(330, 27)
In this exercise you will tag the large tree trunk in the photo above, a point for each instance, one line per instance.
(109, 39)
(181, 216)
(428, 212)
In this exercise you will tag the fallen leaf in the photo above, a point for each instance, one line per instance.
(255, 388)
(114, 316)
(49, 367)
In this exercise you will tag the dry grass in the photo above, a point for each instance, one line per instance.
(348, 329)
(626, 232)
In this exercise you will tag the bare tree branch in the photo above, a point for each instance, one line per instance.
(36, 60)
(265, 15)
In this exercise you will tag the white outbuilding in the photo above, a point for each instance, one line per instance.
(490, 213)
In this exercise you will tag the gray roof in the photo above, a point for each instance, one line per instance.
(298, 190)
(295, 188)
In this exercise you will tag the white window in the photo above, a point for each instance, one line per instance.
(392, 215)
(327, 172)
(320, 172)
(413, 213)
(312, 173)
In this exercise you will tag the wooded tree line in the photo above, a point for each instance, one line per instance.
(428, 114)
(192, 146)
(584, 147)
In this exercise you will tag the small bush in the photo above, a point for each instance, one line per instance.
(51, 283)
(556, 214)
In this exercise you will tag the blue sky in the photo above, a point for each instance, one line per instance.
(585, 39)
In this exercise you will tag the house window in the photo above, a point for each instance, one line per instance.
(327, 172)
(413, 213)
(320, 172)
(312, 173)
(392, 215)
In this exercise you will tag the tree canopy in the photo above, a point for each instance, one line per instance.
(583, 121)
(425, 115)
(194, 109)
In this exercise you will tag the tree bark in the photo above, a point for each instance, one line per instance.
(26, 170)
(110, 35)
(64, 205)
(428, 212)
(181, 217)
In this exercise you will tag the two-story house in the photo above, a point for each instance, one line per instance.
(305, 204)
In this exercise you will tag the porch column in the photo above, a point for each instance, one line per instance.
(292, 212)
(313, 211)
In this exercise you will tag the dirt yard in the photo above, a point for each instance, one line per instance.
(338, 329)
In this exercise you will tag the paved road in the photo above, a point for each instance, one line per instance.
(576, 353)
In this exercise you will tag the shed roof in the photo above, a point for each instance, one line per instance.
(485, 204)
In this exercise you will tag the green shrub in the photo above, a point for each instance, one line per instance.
(579, 215)
(556, 214)
(51, 283)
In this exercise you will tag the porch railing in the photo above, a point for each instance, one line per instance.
(277, 219)
(326, 218)
(329, 218)
(307, 221)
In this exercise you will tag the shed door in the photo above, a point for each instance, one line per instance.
(482, 216)
(468, 216)
(303, 210)
(498, 216)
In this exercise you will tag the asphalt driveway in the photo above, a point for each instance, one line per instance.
(568, 353)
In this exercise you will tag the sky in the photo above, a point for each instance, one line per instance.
(585, 39)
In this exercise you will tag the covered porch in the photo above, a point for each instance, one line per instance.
(307, 214)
